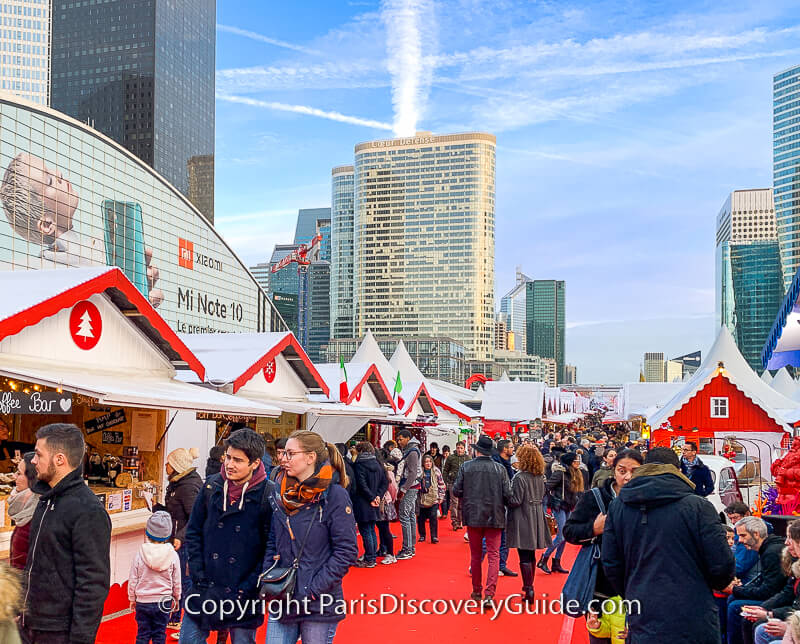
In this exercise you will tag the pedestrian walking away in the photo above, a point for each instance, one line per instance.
(409, 471)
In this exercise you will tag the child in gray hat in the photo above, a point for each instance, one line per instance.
(154, 584)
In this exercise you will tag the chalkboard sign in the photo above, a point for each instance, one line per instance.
(112, 438)
(104, 422)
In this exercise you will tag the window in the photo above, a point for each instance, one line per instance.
(719, 408)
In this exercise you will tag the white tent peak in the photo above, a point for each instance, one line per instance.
(783, 383)
(401, 361)
(766, 376)
(369, 352)
(479, 393)
(504, 377)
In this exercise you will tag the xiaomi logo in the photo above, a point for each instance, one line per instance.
(185, 254)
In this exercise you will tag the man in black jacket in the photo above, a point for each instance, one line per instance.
(695, 470)
(484, 489)
(505, 450)
(664, 550)
(68, 572)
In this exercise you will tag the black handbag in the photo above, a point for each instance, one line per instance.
(278, 582)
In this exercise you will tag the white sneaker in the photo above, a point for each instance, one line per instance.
(175, 635)
(466, 537)
(389, 559)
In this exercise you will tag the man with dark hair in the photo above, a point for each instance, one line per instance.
(68, 571)
(226, 538)
(694, 469)
(745, 558)
(505, 450)
(409, 470)
(664, 548)
(449, 473)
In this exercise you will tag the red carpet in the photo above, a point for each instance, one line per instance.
(439, 571)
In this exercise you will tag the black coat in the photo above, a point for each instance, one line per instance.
(770, 578)
(785, 602)
(483, 486)
(328, 554)
(179, 500)
(558, 488)
(68, 560)
(371, 481)
(579, 528)
(664, 547)
(226, 550)
(701, 477)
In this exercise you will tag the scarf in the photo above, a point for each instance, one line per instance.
(234, 492)
(294, 494)
(21, 506)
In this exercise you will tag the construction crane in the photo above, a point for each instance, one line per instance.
(300, 256)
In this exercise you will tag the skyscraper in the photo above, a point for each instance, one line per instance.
(424, 238)
(546, 321)
(311, 222)
(141, 73)
(786, 167)
(748, 281)
(342, 252)
(654, 369)
(513, 305)
(315, 326)
(24, 47)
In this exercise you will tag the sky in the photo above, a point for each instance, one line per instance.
(621, 129)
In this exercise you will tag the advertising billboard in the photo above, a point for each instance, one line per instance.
(71, 197)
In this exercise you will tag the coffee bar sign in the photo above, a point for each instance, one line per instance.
(37, 402)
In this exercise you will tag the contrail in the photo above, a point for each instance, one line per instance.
(305, 109)
(407, 22)
(262, 38)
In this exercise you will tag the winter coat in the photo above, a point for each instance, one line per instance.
(351, 476)
(436, 489)
(179, 500)
(451, 467)
(21, 507)
(484, 490)
(770, 578)
(664, 546)
(213, 466)
(701, 476)
(526, 527)
(561, 496)
(601, 474)
(410, 466)
(370, 482)
(155, 574)
(787, 600)
(506, 464)
(226, 550)
(68, 569)
(579, 528)
(328, 554)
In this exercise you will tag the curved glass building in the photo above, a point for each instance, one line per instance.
(786, 167)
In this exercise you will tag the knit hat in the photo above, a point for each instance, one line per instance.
(568, 458)
(181, 458)
(396, 453)
(159, 526)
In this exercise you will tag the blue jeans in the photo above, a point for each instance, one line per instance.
(151, 624)
(558, 542)
(503, 550)
(311, 632)
(367, 530)
(408, 520)
(191, 633)
(762, 637)
(186, 582)
(734, 618)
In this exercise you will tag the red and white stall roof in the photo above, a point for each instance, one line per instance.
(365, 385)
(89, 330)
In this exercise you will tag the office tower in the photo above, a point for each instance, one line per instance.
(513, 305)
(286, 305)
(546, 321)
(786, 167)
(570, 374)
(424, 238)
(527, 367)
(748, 280)
(261, 272)
(201, 184)
(500, 332)
(673, 371)
(24, 46)
(314, 310)
(141, 73)
(342, 252)
(654, 370)
(284, 286)
(311, 222)
(690, 363)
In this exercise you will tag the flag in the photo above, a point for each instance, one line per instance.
(398, 387)
(344, 394)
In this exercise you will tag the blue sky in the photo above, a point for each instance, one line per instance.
(621, 128)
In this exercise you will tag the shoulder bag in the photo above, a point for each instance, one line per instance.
(278, 582)
(578, 590)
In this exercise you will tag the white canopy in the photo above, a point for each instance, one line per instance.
(512, 401)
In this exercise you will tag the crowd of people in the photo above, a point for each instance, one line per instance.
(668, 570)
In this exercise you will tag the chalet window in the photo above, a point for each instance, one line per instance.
(719, 408)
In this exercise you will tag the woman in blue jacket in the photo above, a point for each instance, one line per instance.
(310, 491)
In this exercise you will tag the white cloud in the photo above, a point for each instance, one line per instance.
(252, 35)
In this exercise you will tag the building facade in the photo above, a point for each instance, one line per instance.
(690, 363)
(317, 310)
(786, 167)
(500, 333)
(654, 367)
(312, 222)
(261, 272)
(570, 375)
(513, 305)
(107, 207)
(748, 279)
(546, 321)
(423, 238)
(142, 73)
(25, 49)
(673, 371)
(527, 367)
(342, 310)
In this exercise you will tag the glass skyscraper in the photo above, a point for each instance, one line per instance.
(342, 252)
(142, 73)
(749, 280)
(24, 49)
(313, 221)
(316, 327)
(513, 305)
(786, 167)
(546, 320)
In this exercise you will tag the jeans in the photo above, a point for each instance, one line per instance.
(367, 530)
(186, 582)
(558, 542)
(455, 509)
(385, 534)
(151, 624)
(762, 637)
(191, 633)
(503, 551)
(311, 632)
(476, 537)
(446, 502)
(734, 618)
(407, 516)
(430, 515)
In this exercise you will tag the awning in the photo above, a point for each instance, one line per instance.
(320, 408)
(140, 391)
(335, 429)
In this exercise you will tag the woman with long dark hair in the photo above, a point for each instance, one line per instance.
(309, 499)
(564, 485)
(371, 484)
(21, 506)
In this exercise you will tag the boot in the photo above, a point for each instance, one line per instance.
(528, 572)
(542, 565)
(557, 566)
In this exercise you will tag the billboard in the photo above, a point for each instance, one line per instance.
(71, 197)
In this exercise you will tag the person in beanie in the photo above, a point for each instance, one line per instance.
(484, 489)
(155, 577)
(564, 485)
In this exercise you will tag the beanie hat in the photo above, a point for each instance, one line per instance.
(159, 526)
(181, 458)
(568, 458)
